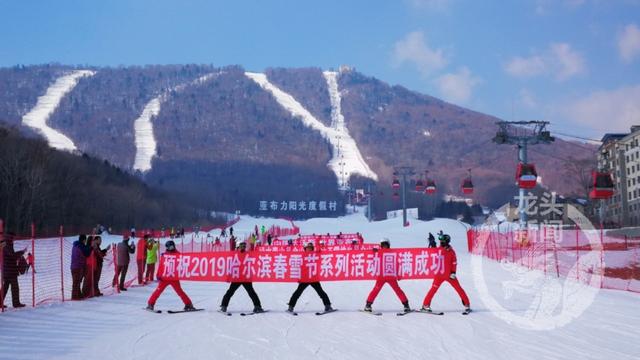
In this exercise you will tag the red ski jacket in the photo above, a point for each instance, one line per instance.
(141, 253)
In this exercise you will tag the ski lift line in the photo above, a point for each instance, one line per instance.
(575, 136)
(553, 156)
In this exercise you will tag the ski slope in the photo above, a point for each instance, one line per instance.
(146, 146)
(116, 327)
(47, 104)
(346, 156)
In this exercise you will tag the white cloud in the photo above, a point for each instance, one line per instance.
(613, 110)
(413, 49)
(543, 7)
(629, 43)
(457, 87)
(430, 4)
(566, 62)
(559, 61)
(526, 67)
(527, 99)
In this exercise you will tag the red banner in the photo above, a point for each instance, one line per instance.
(326, 240)
(299, 248)
(289, 266)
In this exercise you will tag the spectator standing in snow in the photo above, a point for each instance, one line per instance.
(31, 263)
(432, 241)
(141, 257)
(232, 243)
(10, 271)
(152, 259)
(79, 253)
(122, 260)
(87, 278)
(269, 239)
(95, 262)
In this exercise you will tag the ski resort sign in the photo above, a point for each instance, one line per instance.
(291, 266)
(298, 205)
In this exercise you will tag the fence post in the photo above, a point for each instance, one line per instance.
(544, 250)
(33, 273)
(555, 257)
(116, 279)
(62, 262)
(602, 257)
(1, 266)
(577, 256)
(513, 253)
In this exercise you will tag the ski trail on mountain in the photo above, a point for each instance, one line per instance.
(48, 103)
(346, 160)
(337, 120)
(146, 145)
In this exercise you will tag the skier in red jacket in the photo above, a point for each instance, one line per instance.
(451, 264)
(167, 279)
(393, 282)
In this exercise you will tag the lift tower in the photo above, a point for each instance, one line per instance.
(523, 134)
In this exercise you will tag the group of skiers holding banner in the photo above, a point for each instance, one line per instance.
(450, 277)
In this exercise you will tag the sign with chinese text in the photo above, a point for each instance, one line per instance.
(292, 266)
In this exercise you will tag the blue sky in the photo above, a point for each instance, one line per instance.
(575, 63)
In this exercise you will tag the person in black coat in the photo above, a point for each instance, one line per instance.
(248, 286)
(314, 284)
(432, 241)
(10, 271)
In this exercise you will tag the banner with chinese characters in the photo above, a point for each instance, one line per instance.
(321, 240)
(298, 248)
(410, 263)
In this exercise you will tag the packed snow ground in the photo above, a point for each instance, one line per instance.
(345, 148)
(47, 104)
(116, 327)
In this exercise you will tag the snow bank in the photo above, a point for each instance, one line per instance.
(146, 146)
(346, 156)
(47, 104)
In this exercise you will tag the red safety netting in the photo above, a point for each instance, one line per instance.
(48, 276)
(575, 254)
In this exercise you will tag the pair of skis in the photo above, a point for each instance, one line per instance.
(293, 313)
(465, 312)
(172, 311)
(227, 313)
(319, 313)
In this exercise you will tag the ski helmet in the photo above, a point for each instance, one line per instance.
(385, 243)
(445, 239)
(170, 245)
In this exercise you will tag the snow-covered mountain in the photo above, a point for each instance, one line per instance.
(282, 134)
